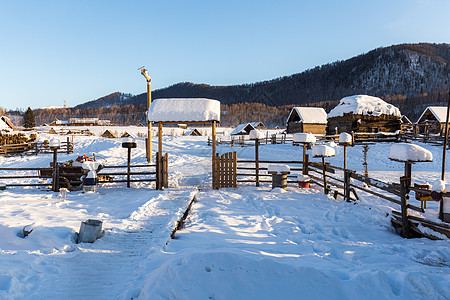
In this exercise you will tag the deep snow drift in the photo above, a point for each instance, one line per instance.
(244, 243)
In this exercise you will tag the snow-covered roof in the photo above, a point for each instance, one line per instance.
(439, 112)
(6, 124)
(363, 105)
(409, 152)
(184, 110)
(310, 115)
(247, 127)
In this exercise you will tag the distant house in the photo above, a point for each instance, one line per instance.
(108, 134)
(88, 122)
(193, 132)
(258, 125)
(406, 120)
(57, 122)
(6, 124)
(128, 134)
(433, 118)
(362, 113)
(243, 129)
(307, 119)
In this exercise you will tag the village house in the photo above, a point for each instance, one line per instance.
(6, 124)
(362, 113)
(243, 129)
(307, 119)
(432, 120)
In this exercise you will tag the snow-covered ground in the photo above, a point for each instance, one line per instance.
(243, 243)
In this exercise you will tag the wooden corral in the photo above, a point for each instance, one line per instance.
(363, 123)
(307, 119)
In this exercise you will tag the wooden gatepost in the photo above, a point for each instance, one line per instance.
(185, 111)
(225, 170)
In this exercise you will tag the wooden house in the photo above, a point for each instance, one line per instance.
(258, 125)
(128, 134)
(362, 113)
(243, 129)
(108, 134)
(432, 119)
(193, 132)
(307, 120)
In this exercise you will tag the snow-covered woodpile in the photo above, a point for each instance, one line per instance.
(362, 113)
(307, 119)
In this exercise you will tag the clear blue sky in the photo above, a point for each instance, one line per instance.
(83, 50)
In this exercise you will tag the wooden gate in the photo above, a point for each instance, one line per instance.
(225, 170)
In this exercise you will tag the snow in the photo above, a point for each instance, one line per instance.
(184, 110)
(55, 142)
(310, 115)
(363, 105)
(3, 125)
(409, 152)
(438, 186)
(345, 138)
(323, 151)
(303, 178)
(304, 138)
(238, 243)
(256, 134)
(278, 168)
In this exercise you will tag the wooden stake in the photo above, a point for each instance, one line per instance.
(257, 161)
(128, 167)
(403, 192)
(324, 176)
(214, 155)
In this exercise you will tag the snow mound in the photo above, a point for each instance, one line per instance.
(363, 105)
(409, 152)
(323, 150)
(255, 134)
(438, 186)
(184, 110)
(304, 138)
(278, 168)
(345, 138)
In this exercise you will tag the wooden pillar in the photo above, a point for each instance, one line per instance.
(324, 175)
(347, 185)
(128, 167)
(404, 204)
(55, 174)
(160, 134)
(234, 169)
(304, 153)
(345, 157)
(165, 170)
(68, 146)
(214, 175)
(305, 170)
(257, 161)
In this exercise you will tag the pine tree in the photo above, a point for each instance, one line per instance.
(28, 119)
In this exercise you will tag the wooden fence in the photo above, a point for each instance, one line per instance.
(225, 170)
(328, 177)
(36, 148)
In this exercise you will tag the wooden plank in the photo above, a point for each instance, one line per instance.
(234, 169)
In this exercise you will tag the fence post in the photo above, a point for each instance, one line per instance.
(234, 169)
(55, 177)
(257, 161)
(404, 204)
(305, 170)
(68, 146)
(166, 170)
(347, 181)
(158, 171)
(128, 167)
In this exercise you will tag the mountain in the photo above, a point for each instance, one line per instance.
(400, 74)
(407, 69)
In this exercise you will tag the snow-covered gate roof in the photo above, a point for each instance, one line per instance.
(184, 110)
